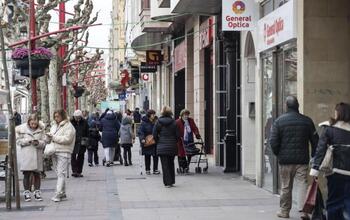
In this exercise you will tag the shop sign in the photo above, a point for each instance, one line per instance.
(206, 33)
(145, 68)
(239, 15)
(278, 27)
(180, 56)
(153, 57)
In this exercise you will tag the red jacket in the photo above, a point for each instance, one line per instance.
(181, 125)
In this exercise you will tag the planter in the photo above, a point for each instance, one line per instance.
(38, 67)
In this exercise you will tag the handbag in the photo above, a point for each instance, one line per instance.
(49, 149)
(327, 163)
(311, 195)
(149, 141)
(319, 212)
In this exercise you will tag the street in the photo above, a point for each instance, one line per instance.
(120, 192)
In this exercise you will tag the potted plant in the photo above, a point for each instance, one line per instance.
(40, 60)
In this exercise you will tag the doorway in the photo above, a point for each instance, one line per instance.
(208, 85)
(180, 92)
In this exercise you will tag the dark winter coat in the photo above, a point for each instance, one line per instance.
(18, 119)
(333, 135)
(146, 128)
(82, 131)
(290, 137)
(110, 127)
(94, 136)
(137, 117)
(166, 134)
(181, 125)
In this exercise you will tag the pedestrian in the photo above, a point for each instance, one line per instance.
(336, 133)
(81, 141)
(126, 139)
(104, 114)
(137, 116)
(145, 130)
(18, 118)
(289, 140)
(85, 114)
(31, 139)
(94, 138)
(166, 135)
(187, 127)
(110, 127)
(62, 136)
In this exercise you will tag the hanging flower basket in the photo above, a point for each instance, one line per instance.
(79, 90)
(40, 61)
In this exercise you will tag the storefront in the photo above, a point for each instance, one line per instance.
(277, 33)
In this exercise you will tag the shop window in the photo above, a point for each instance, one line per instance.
(251, 109)
(268, 6)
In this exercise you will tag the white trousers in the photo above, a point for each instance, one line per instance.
(60, 165)
(109, 154)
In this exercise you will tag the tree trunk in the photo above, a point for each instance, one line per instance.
(45, 106)
(53, 84)
(12, 154)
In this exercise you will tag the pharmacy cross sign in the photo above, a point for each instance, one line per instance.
(239, 15)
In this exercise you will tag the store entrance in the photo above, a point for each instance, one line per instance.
(179, 92)
(208, 74)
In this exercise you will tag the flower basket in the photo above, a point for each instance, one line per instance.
(40, 61)
(79, 90)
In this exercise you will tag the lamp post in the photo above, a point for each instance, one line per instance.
(32, 47)
(61, 53)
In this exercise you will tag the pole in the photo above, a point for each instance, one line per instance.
(32, 47)
(62, 53)
(76, 86)
(12, 154)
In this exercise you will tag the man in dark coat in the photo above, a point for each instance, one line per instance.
(81, 141)
(137, 116)
(110, 127)
(289, 139)
(18, 118)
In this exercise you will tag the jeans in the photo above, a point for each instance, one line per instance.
(60, 166)
(168, 168)
(287, 173)
(27, 183)
(148, 162)
(338, 203)
(92, 154)
(127, 153)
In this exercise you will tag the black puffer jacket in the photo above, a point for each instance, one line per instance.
(82, 131)
(337, 135)
(290, 137)
(166, 134)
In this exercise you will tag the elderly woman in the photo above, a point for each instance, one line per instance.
(62, 137)
(31, 139)
(166, 135)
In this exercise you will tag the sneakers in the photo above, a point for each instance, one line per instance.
(37, 195)
(27, 196)
(148, 172)
(169, 186)
(304, 216)
(56, 198)
(281, 214)
(90, 164)
(156, 172)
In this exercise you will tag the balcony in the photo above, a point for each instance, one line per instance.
(164, 3)
(149, 25)
(209, 7)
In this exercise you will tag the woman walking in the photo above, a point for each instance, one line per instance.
(94, 138)
(166, 134)
(110, 128)
(126, 139)
(149, 151)
(187, 127)
(336, 133)
(62, 137)
(31, 139)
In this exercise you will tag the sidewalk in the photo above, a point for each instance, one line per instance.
(120, 192)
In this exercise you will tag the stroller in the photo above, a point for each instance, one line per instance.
(194, 149)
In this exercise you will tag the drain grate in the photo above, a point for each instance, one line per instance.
(48, 190)
(135, 178)
(96, 180)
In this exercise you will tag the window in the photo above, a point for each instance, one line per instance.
(145, 4)
(267, 6)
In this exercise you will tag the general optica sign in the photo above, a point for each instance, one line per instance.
(239, 15)
(278, 27)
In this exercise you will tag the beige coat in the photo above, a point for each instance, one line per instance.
(31, 155)
(63, 136)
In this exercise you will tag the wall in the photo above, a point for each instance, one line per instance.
(326, 62)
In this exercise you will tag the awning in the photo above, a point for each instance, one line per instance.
(205, 7)
(148, 41)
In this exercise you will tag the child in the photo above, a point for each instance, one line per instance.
(126, 139)
(94, 138)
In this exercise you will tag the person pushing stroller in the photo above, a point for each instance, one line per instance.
(187, 127)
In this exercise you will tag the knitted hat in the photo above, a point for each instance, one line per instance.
(78, 113)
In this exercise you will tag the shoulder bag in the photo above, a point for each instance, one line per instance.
(149, 141)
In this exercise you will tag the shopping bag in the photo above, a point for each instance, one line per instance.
(310, 201)
(319, 210)
(327, 163)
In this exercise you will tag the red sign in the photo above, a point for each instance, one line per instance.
(145, 77)
(272, 30)
(180, 56)
(206, 33)
(153, 57)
